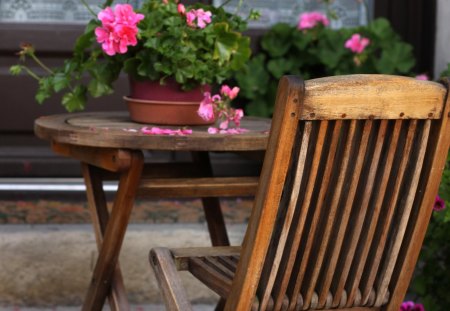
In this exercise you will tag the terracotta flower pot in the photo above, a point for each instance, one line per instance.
(151, 102)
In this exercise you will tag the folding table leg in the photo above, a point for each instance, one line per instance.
(106, 266)
(211, 205)
(213, 212)
(99, 214)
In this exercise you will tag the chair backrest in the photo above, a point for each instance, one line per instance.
(346, 192)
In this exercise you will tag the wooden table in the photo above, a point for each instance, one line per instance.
(109, 145)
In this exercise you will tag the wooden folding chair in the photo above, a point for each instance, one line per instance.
(346, 192)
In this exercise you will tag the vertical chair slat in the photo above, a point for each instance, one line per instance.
(287, 263)
(338, 237)
(434, 163)
(381, 235)
(305, 252)
(329, 215)
(353, 238)
(381, 181)
(399, 229)
(291, 198)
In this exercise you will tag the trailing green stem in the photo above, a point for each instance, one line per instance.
(30, 72)
(38, 61)
(86, 5)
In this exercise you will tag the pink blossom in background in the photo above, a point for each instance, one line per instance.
(203, 17)
(439, 204)
(312, 19)
(206, 109)
(230, 92)
(356, 43)
(411, 306)
(118, 30)
(190, 17)
(181, 9)
(422, 77)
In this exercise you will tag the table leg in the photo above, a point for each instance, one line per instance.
(211, 205)
(99, 214)
(213, 212)
(106, 266)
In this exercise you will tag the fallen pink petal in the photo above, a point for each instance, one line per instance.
(161, 131)
(232, 131)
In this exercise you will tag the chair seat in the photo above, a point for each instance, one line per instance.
(217, 273)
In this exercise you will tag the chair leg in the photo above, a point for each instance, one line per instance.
(169, 281)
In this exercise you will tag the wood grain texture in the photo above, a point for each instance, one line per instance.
(115, 160)
(389, 97)
(115, 130)
(100, 216)
(113, 237)
(198, 187)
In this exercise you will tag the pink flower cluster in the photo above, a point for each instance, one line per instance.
(203, 17)
(357, 43)
(411, 306)
(312, 19)
(439, 204)
(118, 29)
(218, 106)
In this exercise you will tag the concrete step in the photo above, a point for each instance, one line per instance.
(46, 266)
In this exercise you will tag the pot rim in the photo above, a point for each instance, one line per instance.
(160, 102)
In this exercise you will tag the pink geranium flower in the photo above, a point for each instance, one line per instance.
(203, 17)
(118, 30)
(356, 43)
(411, 306)
(439, 204)
(181, 9)
(218, 106)
(206, 109)
(312, 19)
(230, 92)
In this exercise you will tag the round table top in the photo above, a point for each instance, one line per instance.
(116, 130)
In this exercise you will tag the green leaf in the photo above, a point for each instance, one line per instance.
(446, 72)
(242, 54)
(226, 43)
(397, 59)
(278, 40)
(75, 100)
(254, 78)
(330, 49)
(280, 66)
(15, 70)
(87, 38)
(60, 81)
(41, 96)
(99, 88)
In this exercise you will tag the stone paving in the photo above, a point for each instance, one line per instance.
(48, 251)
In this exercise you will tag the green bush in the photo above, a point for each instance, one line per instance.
(317, 52)
(432, 275)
